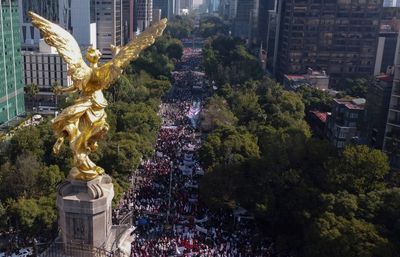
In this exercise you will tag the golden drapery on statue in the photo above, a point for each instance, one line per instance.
(84, 122)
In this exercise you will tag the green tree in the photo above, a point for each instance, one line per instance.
(24, 141)
(228, 145)
(355, 87)
(24, 214)
(175, 49)
(180, 26)
(212, 26)
(332, 236)
(315, 99)
(245, 106)
(31, 90)
(360, 169)
(216, 113)
(48, 179)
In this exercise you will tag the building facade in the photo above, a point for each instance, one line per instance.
(109, 26)
(156, 15)
(314, 79)
(11, 84)
(76, 16)
(337, 36)
(389, 3)
(144, 14)
(385, 52)
(187, 4)
(246, 19)
(128, 20)
(392, 130)
(344, 124)
(45, 68)
(163, 6)
(376, 110)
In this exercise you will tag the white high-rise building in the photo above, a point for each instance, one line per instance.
(109, 21)
(79, 17)
(76, 16)
(389, 3)
(177, 10)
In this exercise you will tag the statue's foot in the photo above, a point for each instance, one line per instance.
(57, 145)
(86, 175)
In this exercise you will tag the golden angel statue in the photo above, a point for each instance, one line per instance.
(84, 122)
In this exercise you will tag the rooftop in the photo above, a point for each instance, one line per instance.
(352, 104)
(322, 116)
(311, 74)
(385, 78)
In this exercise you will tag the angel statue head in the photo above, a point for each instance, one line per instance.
(93, 55)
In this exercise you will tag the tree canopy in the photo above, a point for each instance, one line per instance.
(259, 154)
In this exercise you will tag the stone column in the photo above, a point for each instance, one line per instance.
(85, 211)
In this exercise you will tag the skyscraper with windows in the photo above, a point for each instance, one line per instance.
(109, 21)
(76, 16)
(392, 132)
(337, 36)
(246, 18)
(163, 6)
(144, 14)
(11, 84)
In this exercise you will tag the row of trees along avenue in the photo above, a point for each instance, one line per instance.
(259, 153)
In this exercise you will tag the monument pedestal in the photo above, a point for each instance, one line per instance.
(85, 211)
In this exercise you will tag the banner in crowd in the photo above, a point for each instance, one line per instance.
(201, 220)
(201, 229)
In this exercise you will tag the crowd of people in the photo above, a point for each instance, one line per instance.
(170, 219)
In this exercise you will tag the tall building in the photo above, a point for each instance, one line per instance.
(265, 6)
(227, 8)
(156, 15)
(163, 6)
(212, 5)
(128, 20)
(171, 9)
(49, 9)
(392, 131)
(177, 10)
(109, 26)
(384, 62)
(76, 16)
(144, 14)
(187, 4)
(335, 36)
(246, 19)
(388, 34)
(45, 68)
(272, 36)
(376, 110)
(11, 84)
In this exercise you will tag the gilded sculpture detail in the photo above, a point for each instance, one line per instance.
(84, 122)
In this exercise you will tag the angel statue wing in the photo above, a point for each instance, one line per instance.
(66, 46)
(131, 51)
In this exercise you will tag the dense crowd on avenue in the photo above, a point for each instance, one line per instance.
(170, 219)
